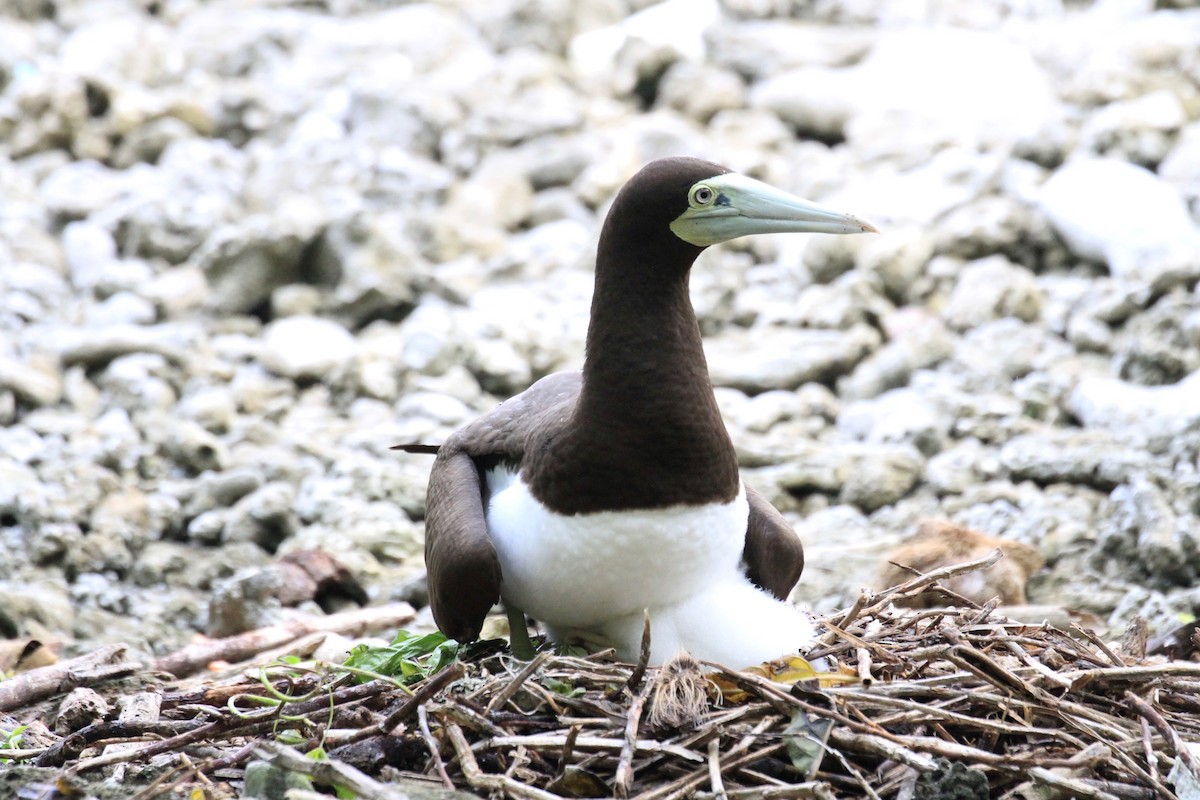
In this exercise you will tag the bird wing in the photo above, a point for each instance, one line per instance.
(773, 555)
(463, 568)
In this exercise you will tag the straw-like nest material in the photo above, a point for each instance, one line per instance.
(937, 703)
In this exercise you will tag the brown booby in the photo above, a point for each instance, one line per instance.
(596, 496)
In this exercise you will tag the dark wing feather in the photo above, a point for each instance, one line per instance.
(464, 571)
(773, 555)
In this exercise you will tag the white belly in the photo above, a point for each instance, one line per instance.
(593, 575)
(578, 571)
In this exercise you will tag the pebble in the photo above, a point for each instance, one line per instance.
(1126, 217)
(1088, 458)
(37, 387)
(989, 289)
(307, 348)
(1111, 404)
(739, 360)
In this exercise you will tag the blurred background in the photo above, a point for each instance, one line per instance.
(248, 245)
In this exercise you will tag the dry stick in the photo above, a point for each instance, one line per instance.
(585, 742)
(425, 692)
(225, 726)
(1033, 663)
(1148, 749)
(568, 748)
(38, 684)
(854, 772)
(789, 791)
(172, 744)
(431, 743)
(510, 689)
(1182, 751)
(478, 779)
(853, 612)
(926, 711)
(1178, 668)
(714, 769)
(196, 656)
(688, 783)
(920, 582)
(624, 777)
(869, 736)
(1116, 660)
(1076, 719)
(871, 604)
(1077, 788)
(975, 660)
(880, 746)
(861, 642)
(639, 671)
(328, 771)
(166, 784)
(864, 666)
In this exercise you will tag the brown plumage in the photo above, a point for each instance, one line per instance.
(638, 430)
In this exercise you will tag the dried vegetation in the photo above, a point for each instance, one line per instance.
(951, 702)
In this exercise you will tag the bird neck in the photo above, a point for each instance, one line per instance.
(647, 406)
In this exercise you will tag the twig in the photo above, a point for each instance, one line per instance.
(426, 691)
(639, 670)
(1081, 678)
(38, 684)
(1077, 788)
(714, 769)
(864, 666)
(609, 743)
(1182, 751)
(430, 742)
(1116, 660)
(511, 688)
(478, 779)
(196, 656)
(328, 771)
(919, 583)
(623, 781)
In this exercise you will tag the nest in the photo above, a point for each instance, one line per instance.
(939, 703)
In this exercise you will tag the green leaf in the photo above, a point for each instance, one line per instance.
(562, 687)
(410, 657)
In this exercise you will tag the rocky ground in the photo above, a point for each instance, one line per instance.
(247, 246)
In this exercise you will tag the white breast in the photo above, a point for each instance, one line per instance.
(592, 575)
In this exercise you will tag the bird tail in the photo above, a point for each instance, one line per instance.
(416, 447)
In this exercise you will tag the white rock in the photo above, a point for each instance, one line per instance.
(992, 288)
(1181, 167)
(38, 385)
(1125, 216)
(78, 188)
(1140, 130)
(1113, 404)
(675, 24)
(897, 416)
(781, 358)
(122, 308)
(177, 290)
(90, 251)
(918, 89)
(307, 347)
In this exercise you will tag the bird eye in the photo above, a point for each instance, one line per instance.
(703, 195)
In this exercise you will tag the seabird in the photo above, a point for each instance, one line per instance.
(595, 497)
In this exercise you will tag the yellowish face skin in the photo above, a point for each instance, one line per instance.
(727, 206)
